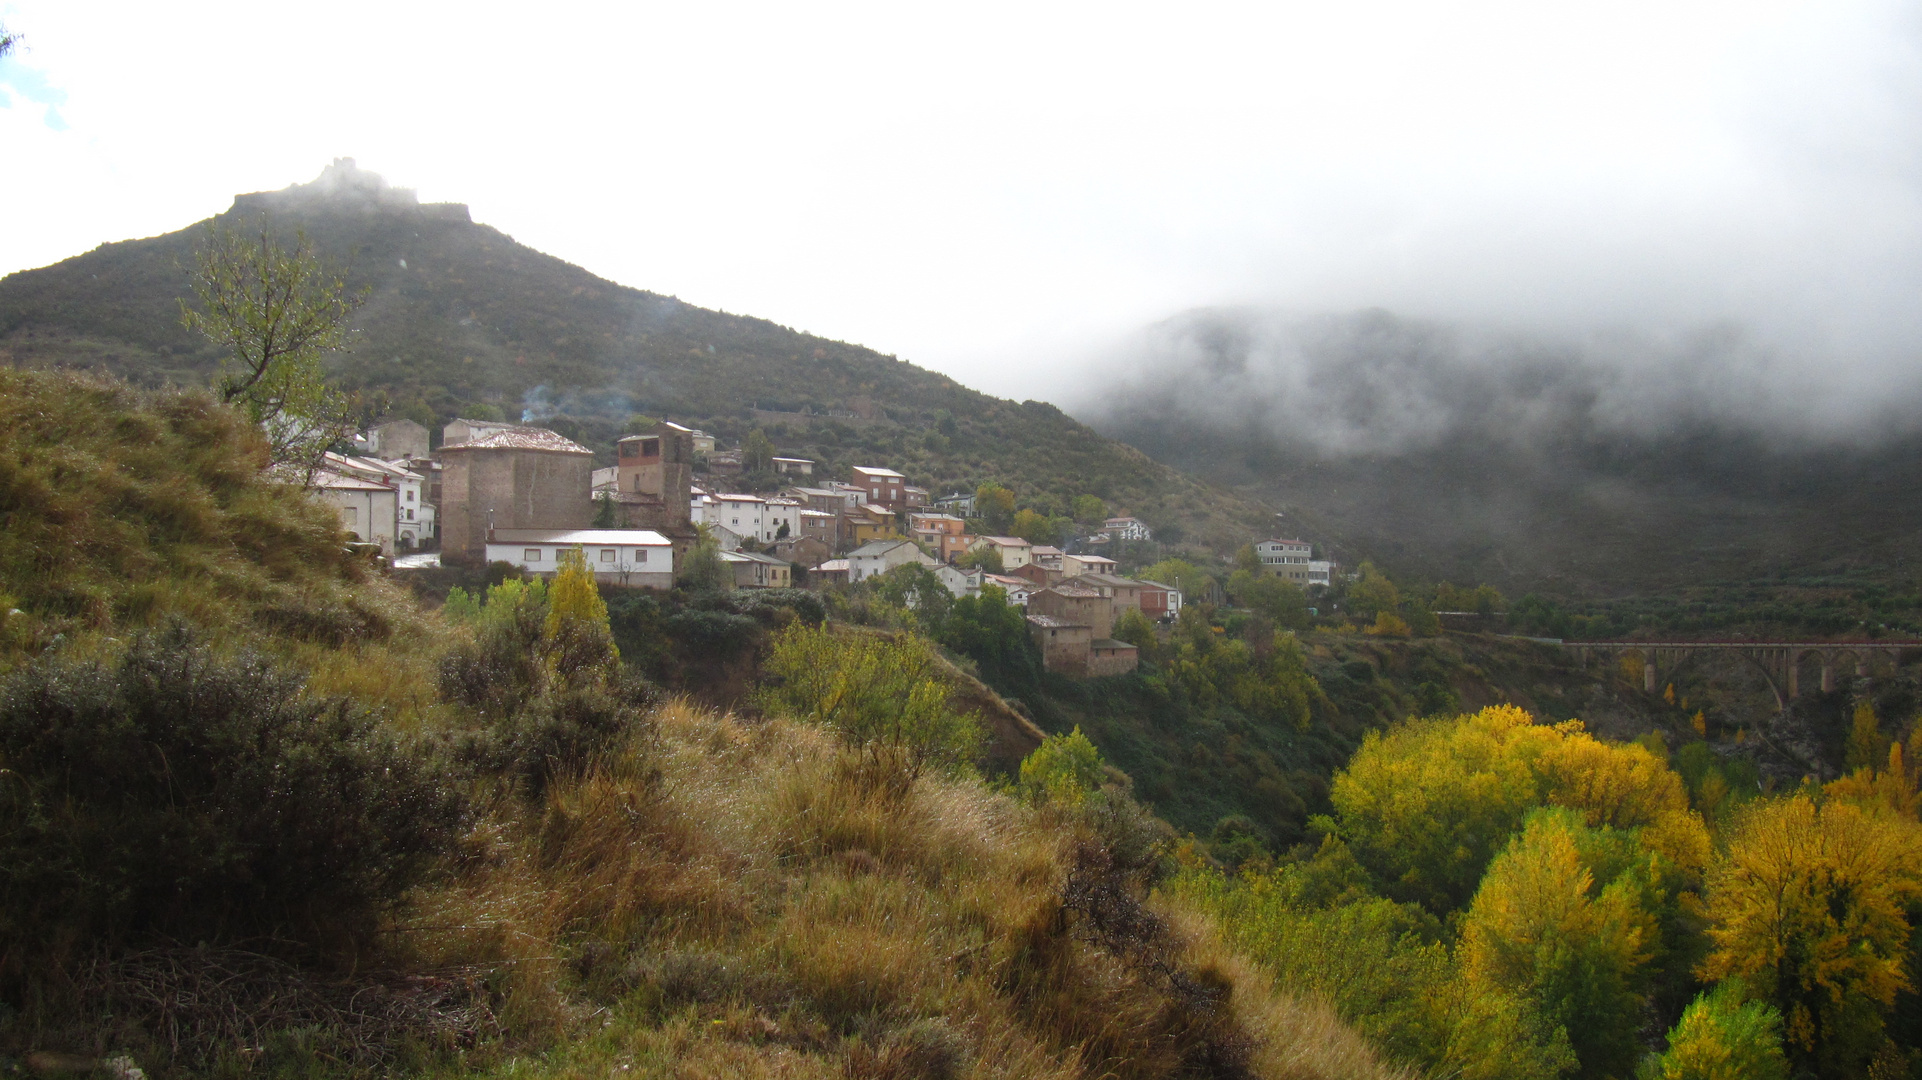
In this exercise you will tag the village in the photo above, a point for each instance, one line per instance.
(497, 492)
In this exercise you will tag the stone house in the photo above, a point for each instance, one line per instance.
(1125, 592)
(401, 438)
(654, 478)
(816, 525)
(634, 557)
(1107, 656)
(1065, 645)
(1076, 603)
(802, 550)
(511, 478)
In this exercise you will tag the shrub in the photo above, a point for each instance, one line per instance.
(558, 734)
(884, 696)
(183, 793)
(1064, 768)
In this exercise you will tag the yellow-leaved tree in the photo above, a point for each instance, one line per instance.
(1723, 1036)
(1428, 803)
(1546, 924)
(577, 636)
(1809, 907)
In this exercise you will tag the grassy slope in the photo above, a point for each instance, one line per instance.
(460, 314)
(711, 897)
(121, 510)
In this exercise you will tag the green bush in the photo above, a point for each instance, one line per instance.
(558, 734)
(884, 696)
(182, 793)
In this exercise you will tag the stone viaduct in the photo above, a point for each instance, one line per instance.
(1780, 661)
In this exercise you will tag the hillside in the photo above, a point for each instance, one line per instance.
(261, 814)
(1533, 467)
(460, 316)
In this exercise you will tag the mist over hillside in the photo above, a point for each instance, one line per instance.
(1598, 464)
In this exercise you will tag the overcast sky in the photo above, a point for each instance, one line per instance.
(996, 191)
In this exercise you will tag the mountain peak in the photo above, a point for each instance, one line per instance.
(346, 187)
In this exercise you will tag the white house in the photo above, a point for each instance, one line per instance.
(794, 466)
(880, 556)
(617, 556)
(749, 515)
(959, 582)
(1017, 588)
(957, 503)
(1127, 528)
(1015, 552)
(366, 507)
(413, 523)
(1286, 558)
(1321, 572)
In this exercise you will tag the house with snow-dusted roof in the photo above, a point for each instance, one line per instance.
(636, 557)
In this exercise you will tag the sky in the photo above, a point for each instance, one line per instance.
(1003, 192)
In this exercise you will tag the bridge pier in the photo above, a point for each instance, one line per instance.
(1828, 675)
(1648, 670)
(1795, 676)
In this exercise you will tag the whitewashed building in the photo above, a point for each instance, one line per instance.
(880, 556)
(1127, 528)
(1287, 558)
(959, 582)
(640, 557)
(749, 516)
(366, 507)
(413, 524)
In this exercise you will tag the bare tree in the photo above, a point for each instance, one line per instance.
(277, 311)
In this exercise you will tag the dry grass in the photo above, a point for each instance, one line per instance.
(726, 898)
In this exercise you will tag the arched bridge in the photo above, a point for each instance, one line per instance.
(1780, 661)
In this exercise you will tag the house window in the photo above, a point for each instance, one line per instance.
(531, 555)
(410, 515)
(607, 554)
(353, 515)
(410, 495)
(640, 554)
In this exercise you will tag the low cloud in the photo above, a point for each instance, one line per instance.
(1375, 383)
